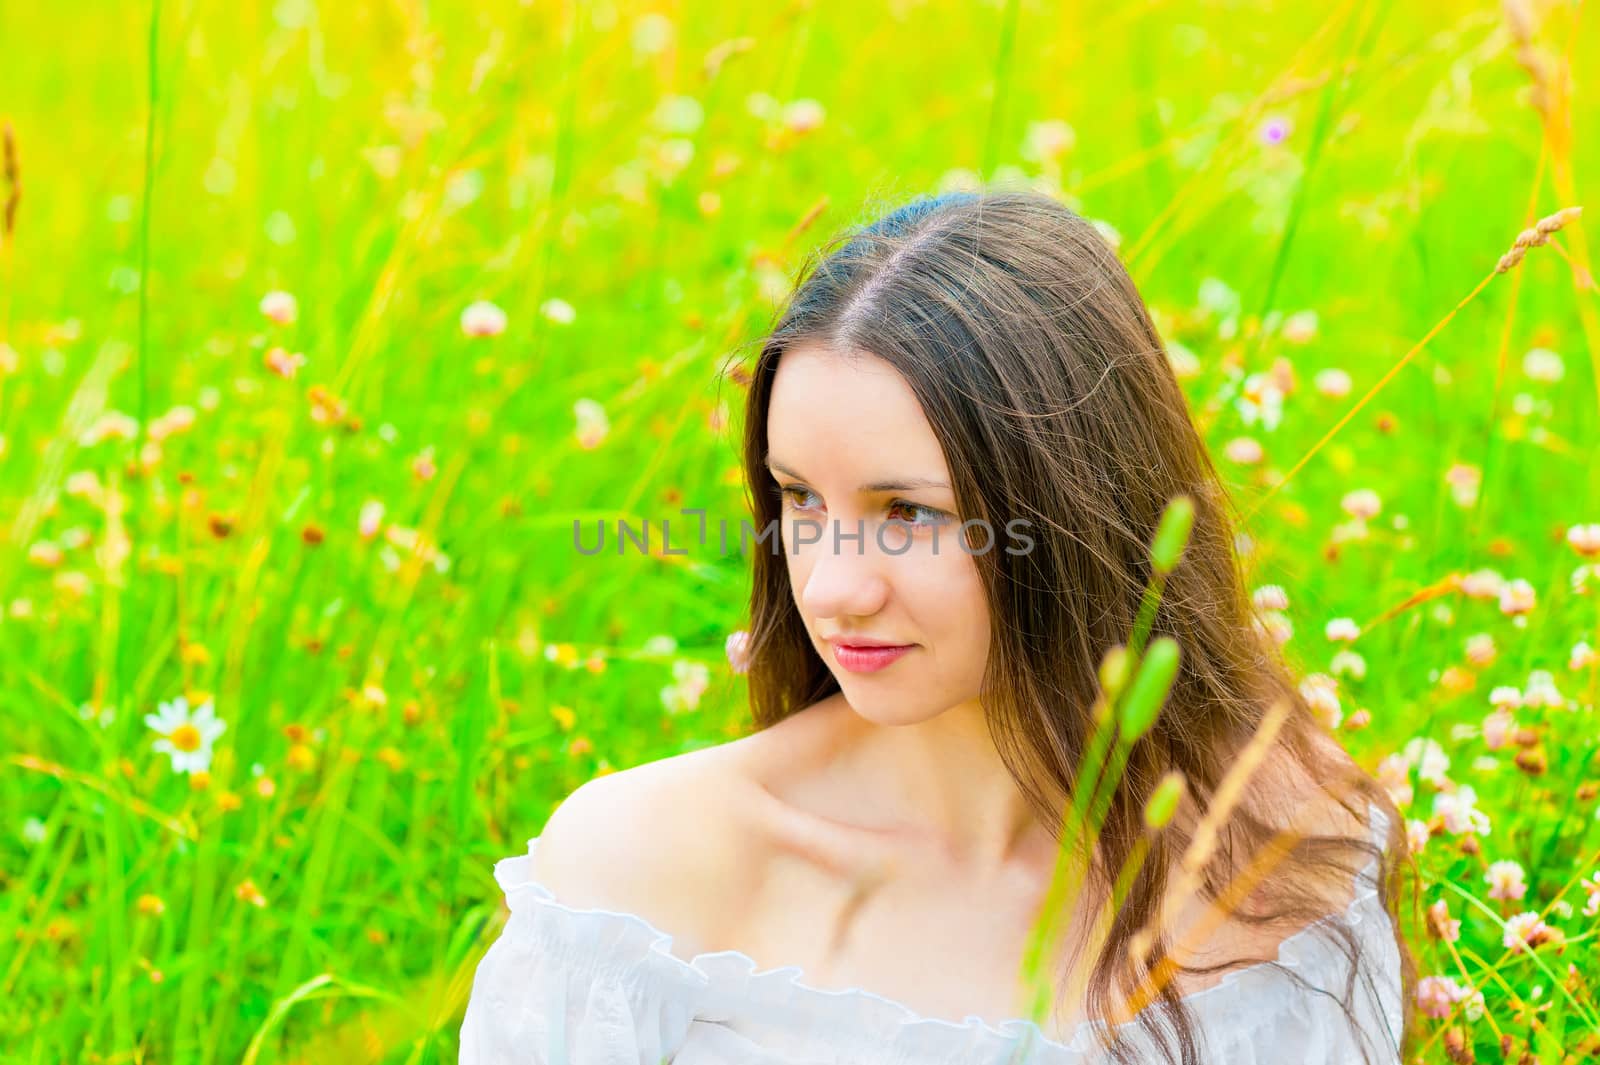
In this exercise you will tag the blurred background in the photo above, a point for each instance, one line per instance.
(320, 325)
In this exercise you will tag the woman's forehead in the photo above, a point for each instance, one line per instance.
(852, 413)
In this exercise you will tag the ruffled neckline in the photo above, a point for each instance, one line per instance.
(882, 1014)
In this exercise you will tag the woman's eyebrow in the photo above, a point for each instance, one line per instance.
(904, 484)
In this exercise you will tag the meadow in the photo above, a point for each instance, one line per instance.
(320, 325)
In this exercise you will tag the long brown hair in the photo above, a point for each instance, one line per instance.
(1037, 366)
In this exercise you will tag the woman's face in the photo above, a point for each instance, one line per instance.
(852, 452)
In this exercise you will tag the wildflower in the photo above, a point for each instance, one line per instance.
(1517, 598)
(1048, 140)
(423, 465)
(803, 116)
(1342, 629)
(417, 545)
(1458, 680)
(1482, 584)
(1480, 649)
(151, 905)
(1394, 773)
(282, 363)
(187, 736)
(737, 648)
(1429, 759)
(173, 421)
(1505, 697)
(1417, 835)
(85, 484)
(1458, 811)
(326, 408)
(592, 423)
(1333, 383)
(1506, 881)
(248, 892)
(60, 928)
(113, 425)
(651, 33)
(1274, 130)
(1245, 450)
(1542, 692)
(371, 518)
(280, 307)
(1585, 540)
(1349, 663)
(689, 682)
(1542, 364)
(1464, 481)
(1531, 760)
(1583, 656)
(1591, 888)
(483, 319)
(1437, 995)
(678, 114)
(1270, 597)
(1301, 328)
(1260, 400)
(1322, 693)
(558, 311)
(1185, 363)
(1363, 503)
(1442, 924)
(1525, 931)
(1498, 728)
(1275, 626)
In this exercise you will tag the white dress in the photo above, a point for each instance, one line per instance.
(568, 986)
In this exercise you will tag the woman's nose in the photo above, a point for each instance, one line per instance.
(843, 569)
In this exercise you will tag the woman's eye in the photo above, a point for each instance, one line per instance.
(787, 492)
(921, 515)
(914, 514)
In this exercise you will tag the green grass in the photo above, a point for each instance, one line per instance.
(403, 708)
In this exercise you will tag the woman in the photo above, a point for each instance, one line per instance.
(873, 861)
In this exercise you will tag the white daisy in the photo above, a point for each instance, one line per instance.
(188, 736)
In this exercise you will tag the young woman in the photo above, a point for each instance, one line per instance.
(859, 879)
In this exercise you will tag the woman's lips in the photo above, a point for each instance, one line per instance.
(869, 659)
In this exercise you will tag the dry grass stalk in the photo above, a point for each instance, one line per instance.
(1540, 234)
(1522, 22)
(1238, 889)
(1198, 854)
(13, 174)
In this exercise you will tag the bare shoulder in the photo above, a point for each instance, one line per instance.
(686, 842)
(662, 840)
